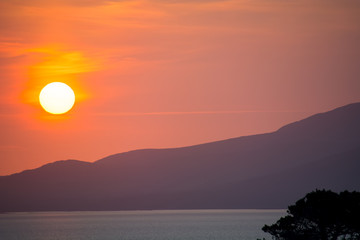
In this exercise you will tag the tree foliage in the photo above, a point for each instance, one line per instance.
(320, 215)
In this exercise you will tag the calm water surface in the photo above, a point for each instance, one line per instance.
(138, 225)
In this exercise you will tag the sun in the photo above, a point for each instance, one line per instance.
(57, 98)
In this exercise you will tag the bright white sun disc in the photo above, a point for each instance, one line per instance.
(57, 98)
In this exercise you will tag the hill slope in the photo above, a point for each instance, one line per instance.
(261, 171)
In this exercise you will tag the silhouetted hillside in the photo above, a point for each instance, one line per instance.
(261, 171)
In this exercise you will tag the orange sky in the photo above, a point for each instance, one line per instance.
(156, 74)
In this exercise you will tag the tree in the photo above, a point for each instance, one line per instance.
(320, 215)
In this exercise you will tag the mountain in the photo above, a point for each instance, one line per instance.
(269, 170)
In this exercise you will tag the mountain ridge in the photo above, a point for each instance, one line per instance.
(267, 170)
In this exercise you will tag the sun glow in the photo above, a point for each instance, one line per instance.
(57, 98)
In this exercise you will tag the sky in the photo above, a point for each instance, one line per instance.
(168, 73)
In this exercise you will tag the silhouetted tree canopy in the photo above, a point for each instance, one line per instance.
(320, 215)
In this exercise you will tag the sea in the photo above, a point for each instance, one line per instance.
(139, 225)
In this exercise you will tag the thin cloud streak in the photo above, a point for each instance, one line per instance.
(120, 114)
(190, 113)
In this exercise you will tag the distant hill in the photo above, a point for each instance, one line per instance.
(269, 170)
